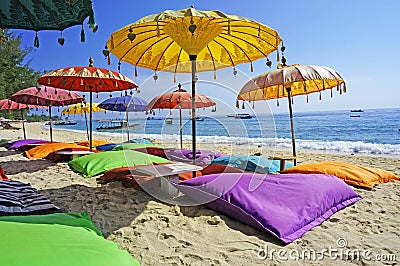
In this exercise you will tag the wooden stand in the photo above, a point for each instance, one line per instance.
(282, 160)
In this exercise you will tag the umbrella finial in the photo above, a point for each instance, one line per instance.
(91, 61)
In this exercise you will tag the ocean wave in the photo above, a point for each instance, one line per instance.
(277, 143)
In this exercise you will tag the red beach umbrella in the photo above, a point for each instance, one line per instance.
(87, 79)
(7, 104)
(180, 99)
(47, 96)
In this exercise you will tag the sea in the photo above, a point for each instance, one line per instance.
(372, 131)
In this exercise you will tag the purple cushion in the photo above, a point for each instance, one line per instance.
(19, 143)
(202, 156)
(287, 206)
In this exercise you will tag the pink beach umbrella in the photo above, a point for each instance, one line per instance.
(7, 104)
(47, 96)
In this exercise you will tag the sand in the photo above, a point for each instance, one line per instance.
(156, 233)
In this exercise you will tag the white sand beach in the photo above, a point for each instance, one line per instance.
(156, 233)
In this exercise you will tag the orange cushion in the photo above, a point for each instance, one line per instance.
(94, 143)
(350, 173)
(44, 150)
(2, 174)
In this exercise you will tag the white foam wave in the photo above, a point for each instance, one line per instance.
(277, 143)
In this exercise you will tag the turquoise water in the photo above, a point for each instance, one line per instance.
(376, 131)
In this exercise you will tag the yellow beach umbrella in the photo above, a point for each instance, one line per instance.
(190, 41)
(288, 81)
(82, 108)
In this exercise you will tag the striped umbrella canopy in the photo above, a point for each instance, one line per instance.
(87, 79)
(289, 81)
(190, 41)
(179, 99)
(124, 104)
(47, 96)
(7, 104)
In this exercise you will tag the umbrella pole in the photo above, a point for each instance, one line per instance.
(87, 128)
(291, 122)
(23, 124)
(51, 126)
(90, 118)
(193, 60)
(127, 123)
(180, 125)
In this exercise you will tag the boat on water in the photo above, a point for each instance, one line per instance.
(113, 125)
(241, 116)
(168, 120)
(357, 111)
(355, 116)
(62, 123)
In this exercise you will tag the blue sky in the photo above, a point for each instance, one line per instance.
(357, 38)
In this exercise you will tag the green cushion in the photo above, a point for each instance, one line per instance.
(57, 239)
(131, 146)
(100, 162)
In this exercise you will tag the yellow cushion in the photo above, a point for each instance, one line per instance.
(43, 150)
(350, 173)
(94, 143)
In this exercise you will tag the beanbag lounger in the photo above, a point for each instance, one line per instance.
(130, 146)
(128, 176)
(94, 143)
(3, 174)
(350, 173)
(44, 150)
(97, 163)
(186, 156)
(154, 151)
(106, 147)
(256, 164)
(143, 141)
(286, 206)
(19, 143)
(57, 239)
(17, 198)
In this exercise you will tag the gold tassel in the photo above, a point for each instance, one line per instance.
(243, 105)
(170, 111)
(251, 67)
(253, 104)
(215, 75)
(277, 56)
(331, 93)
(307, 97)
(237, 103)
(277, 102)
(344, 88)
(292, 100)
(174, 78)
(340, 91)
(136, 72)
(97, 94)
(320, 96)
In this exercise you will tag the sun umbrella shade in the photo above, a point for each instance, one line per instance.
(7, 104)
(300, 79)
(164, 41)
(84, 79)
(179, 99)
(47, 96)
(46, 15)
(124, 104)
(81, 108)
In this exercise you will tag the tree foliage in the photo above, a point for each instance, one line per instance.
(15, 72)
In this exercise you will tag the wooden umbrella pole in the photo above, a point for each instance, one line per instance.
(90, 118)
(51, 125)
(87, 128)
(127, 123)
(193, 59)
(180, 125)
(291, 122)
(23, 124)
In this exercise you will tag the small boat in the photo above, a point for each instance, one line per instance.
(106, 125)
(168, 120)
(241, 116)
(355, 116)
(357, 111)
(199, 118)
(66, 122)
